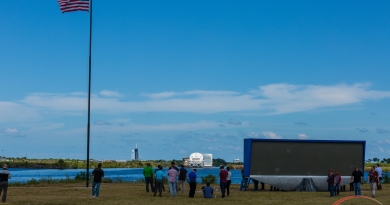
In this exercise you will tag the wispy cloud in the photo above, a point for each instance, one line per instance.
(10, 130)
(269, 99)
(134, 127)
(234, 122)
(172, 94)
(381, 130)
(108, 93)
(271, 135)
(248, 134)
(302, 136)
(102, 122)
(362, 129)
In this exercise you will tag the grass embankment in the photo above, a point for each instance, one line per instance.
(134, 193)
(385, 167)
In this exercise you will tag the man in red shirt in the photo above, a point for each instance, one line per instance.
(223, 180)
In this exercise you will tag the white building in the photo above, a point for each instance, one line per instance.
(197, 159)
(236, 161)
(207, 160)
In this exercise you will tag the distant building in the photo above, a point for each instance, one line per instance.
(132, 155)
(197, 159)
(136, 152)
(207, 160)
(236, 161)
(186, 161)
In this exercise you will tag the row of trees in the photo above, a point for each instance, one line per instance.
(377, 160)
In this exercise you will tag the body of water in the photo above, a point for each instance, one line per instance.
(125, 174)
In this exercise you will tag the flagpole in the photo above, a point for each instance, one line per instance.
(89, 88)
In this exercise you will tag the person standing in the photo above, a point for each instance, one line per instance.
(159, 177)
(177, 169)
(244, 180)
(357, 179)
(255, 185)
(223, 180)
(97, 174)
(192, 176)
(148, 174)
(182, 177)
(172, 174)
(4, 176)
(155, 183)
(380, 175)
(337, 181)
(229, 181)
(373, 180)
(331, 183)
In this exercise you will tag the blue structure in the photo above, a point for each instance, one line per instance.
(285, 163)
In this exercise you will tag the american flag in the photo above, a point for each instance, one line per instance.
(73, 5)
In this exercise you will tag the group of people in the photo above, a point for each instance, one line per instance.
(333, 181)
(357, 178)
(177, 179)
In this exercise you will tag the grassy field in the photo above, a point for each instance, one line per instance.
(134, 193)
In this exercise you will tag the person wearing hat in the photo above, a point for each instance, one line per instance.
(357, 179)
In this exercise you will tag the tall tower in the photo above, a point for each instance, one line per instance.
(136, 152)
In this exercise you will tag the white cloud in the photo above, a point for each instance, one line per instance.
(108, 93)
(17, 112)
(271, 135)
(11, 130)
(287, 98)
(248, 134)
(302, 136)
(171, 94)
(268, 99)
(133, 127)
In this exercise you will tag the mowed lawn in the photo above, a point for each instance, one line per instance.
(134, 193)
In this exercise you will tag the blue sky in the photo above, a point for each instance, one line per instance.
(178, 77)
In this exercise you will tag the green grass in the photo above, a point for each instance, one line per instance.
(134, 193)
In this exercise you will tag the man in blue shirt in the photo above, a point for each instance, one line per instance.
(192, 176)
(159, 177)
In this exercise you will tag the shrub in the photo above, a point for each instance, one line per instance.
(33, 182)
(386, 179)
(209, 178)
(81, 176)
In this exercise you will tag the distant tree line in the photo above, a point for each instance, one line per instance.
(377, 160)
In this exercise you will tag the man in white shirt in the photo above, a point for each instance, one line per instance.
(380, 175)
